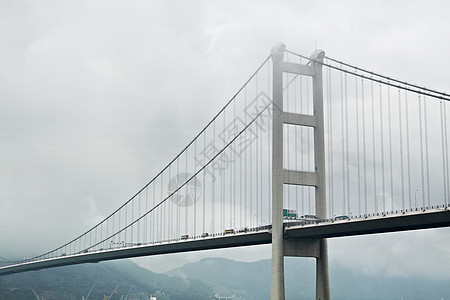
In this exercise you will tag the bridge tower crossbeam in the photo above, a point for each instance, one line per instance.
(282, 247)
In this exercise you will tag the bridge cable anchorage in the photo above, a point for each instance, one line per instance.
(386, 80)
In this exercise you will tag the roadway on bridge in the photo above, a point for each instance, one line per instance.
(412, 220)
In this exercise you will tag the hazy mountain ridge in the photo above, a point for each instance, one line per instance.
(73, 282)
(251, 280)
(227, 277)
(202, 279)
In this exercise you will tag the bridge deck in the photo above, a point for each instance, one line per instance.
(375, 224)
(370, 225)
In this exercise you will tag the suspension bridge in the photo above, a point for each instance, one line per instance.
(309, 148)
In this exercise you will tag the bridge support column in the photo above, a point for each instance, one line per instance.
(280, 176)
(322, 278)
(277, 274)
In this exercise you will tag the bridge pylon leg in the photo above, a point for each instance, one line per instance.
(277, 274)
(322, 278)
(280, 246)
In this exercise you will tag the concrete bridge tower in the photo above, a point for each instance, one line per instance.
(282, 247)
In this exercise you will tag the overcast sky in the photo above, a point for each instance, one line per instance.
(97, 96)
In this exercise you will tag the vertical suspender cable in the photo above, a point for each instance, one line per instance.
(154, 230)
(330, 144)
(426, 149)
(357, 145)
(446, 150)
(260, 174)
(146, 218)
(364, 145)
(234, 169)
(343, 142)
(106, 225)
(132, 220)
(302, 146)
(296, 142)
(139, 223)
(178, 206)
(161, 216)
(401, 148)
(241, 180)
(186, 192)
(269, 157)
(443, 152)
(245, 161)
(125, 232)
(169, 216)
(195, 191)
(256, 173)
(286, 132)
(407, 149)
(311, 211)
(331, 147)
(373, 149)
(222, 187)
(251, 184)
(213, 190)
(204, 187)
(346, 146)
(382, 150)
(390, 149)
(421, 151)
(117, 229)
(256, 155)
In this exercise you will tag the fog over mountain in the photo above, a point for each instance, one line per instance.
(213, 276)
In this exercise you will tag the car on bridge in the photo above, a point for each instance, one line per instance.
(338, 218)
